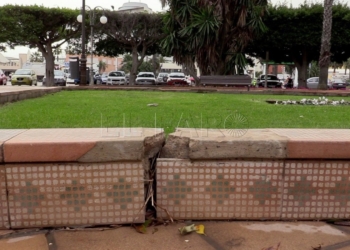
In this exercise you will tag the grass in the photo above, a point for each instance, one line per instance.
(87, 109)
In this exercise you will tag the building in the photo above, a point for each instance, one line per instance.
(112, 63)
(11, 64)
(135, 7)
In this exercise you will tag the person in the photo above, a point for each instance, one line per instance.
(288, 83)
(254, 82)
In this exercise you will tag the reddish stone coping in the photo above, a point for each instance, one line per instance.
(124, 144)
(78, 144)
(207, 144)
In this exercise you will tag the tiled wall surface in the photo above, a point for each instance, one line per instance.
(4, 223)
(253, 189)
(316, 190)
(220, 190)
(75, 194)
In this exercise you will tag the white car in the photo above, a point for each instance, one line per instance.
(162, 78)
(177, 78)
(116, 77)
(59, 78)
(145, 78)
(312, 83)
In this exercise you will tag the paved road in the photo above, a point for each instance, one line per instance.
(219, 236)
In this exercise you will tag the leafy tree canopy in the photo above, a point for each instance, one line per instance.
(294, 35)
(38, 27)
(212, 34)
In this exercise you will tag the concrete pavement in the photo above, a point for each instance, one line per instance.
(219, 235)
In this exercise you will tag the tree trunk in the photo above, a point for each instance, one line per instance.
(325, 53)
(302, 65)
(302, 75)
(134, 66)
(49, 64)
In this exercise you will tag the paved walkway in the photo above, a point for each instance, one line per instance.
(219, 235)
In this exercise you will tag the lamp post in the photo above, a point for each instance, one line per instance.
(81, 19)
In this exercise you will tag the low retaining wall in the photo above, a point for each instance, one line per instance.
(264, 174)
(14, 94)
(65, 177)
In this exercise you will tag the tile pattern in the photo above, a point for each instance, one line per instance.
(4, 222)
(316, 190)
(220, 190)
(75, 194)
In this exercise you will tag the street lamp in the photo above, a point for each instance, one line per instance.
(81, 19)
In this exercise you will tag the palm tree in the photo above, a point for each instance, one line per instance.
(101, 66)
(213, 35)
(57, 52)
(314, 70)
(346, 65)
(36, 57)
(325, 53)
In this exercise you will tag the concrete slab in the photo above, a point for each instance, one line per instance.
(316, 143)
(83, 144)
(219, 235)
(6, 134)
(226, 144)
(34, 242)
(223, 144)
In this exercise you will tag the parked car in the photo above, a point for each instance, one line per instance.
(3, 78)
(59, 78)
(24, 77)
(177, 78)
(190, 80)
(101, 78)
(312, 83)
(116, 77)
(339, 83)
(272, 81)
(145, 78)
(162, 78)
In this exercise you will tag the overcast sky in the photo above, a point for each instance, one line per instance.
(76, 4)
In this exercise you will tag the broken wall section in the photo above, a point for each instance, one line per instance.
(264, 174)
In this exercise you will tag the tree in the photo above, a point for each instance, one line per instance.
(212, 34)
(38, 27)
(36, 57)
(146, 66)
(325, 54)
(136, 33)
(57, 51)
(346, 65)
(288, 39)
(314, 69)
(101, 66)
(335, 65)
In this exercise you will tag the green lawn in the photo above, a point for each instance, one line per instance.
(71, 109)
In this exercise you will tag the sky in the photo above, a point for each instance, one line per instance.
(155, 5)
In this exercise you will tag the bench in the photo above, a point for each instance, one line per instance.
(226, 80)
